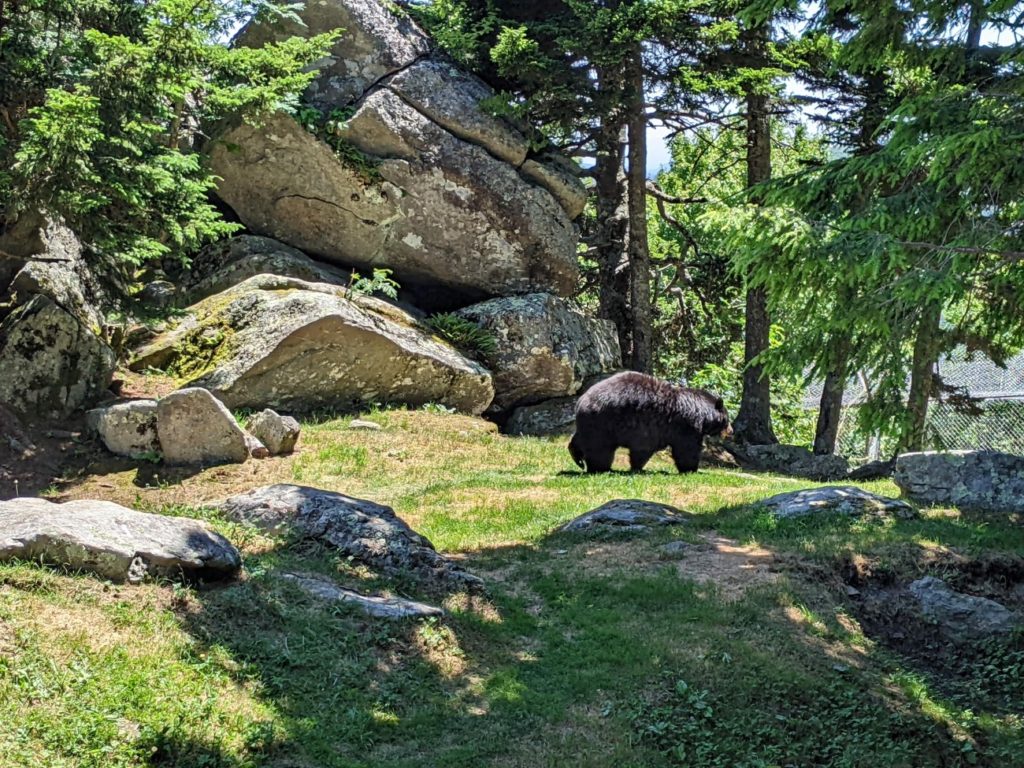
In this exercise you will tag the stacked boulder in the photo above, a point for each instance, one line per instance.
(404, 169)
(54, 356)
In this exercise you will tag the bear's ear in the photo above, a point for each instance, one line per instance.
(719, 404)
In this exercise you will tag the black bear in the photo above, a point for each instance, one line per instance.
(644, 414)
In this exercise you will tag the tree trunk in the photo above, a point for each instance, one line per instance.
(754, 422)
(926, 354)
(609, 240)
(639, 254)
(830, 408)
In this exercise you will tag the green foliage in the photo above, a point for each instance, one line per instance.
(381, 283)
(330, 129)
(464, 334)
(102, 116)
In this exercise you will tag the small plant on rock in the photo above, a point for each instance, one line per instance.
(464, 334)
(381, 283)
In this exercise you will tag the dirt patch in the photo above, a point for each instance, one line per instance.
(732, 568)
(38, 454)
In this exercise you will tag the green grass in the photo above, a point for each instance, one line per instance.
(584, 652)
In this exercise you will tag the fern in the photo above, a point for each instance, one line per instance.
(464, 334)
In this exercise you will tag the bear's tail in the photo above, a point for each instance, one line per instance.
(576, 453)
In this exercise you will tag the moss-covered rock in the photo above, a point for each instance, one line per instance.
(50, 364)
(284, 343)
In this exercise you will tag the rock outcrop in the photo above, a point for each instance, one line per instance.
(50, 364)
(835, 500)
(979, 480)
(369, 533)
(421, 179)
(113, 542)
(792, 460)
(545, 348)
(551, 417)
(284, 343)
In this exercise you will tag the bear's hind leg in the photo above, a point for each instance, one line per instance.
(686, 452)
(638, 459)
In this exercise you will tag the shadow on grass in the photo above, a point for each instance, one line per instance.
(606, 665)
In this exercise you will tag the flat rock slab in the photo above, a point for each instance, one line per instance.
(988, 481)
(961, 617)
(633, 515)
(368, 532)
(113, 542)
(835, 500)
(372, 605)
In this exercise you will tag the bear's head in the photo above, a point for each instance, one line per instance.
(718, 424)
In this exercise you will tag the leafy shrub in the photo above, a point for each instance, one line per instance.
(381, 283)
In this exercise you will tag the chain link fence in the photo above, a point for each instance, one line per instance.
(994, 420)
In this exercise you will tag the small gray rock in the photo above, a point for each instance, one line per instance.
(369, 426)
(112, 541)
(381, 607)
(278, 433)
(127, 429)
(836, 500)
(633, 515)
(961, 617)
(676, 549)
(194, 427)
(369, 533)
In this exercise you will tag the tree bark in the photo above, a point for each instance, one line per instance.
(754, 421)
(609, 240)
(830, 408)
(639, 253)
(922, 367)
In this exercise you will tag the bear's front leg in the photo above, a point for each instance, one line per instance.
(686, 452)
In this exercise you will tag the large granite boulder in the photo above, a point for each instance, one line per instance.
(50, 364)
(44, 258)
(229, 262)
(369, 533)
(297, 346)
(551, 417)
(979, 480)
(546, 347)
(112, 541)
(423, 179)
(847, 500)
(195, 428)
(376, 42)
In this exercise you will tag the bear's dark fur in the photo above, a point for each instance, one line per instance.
(644, 414)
